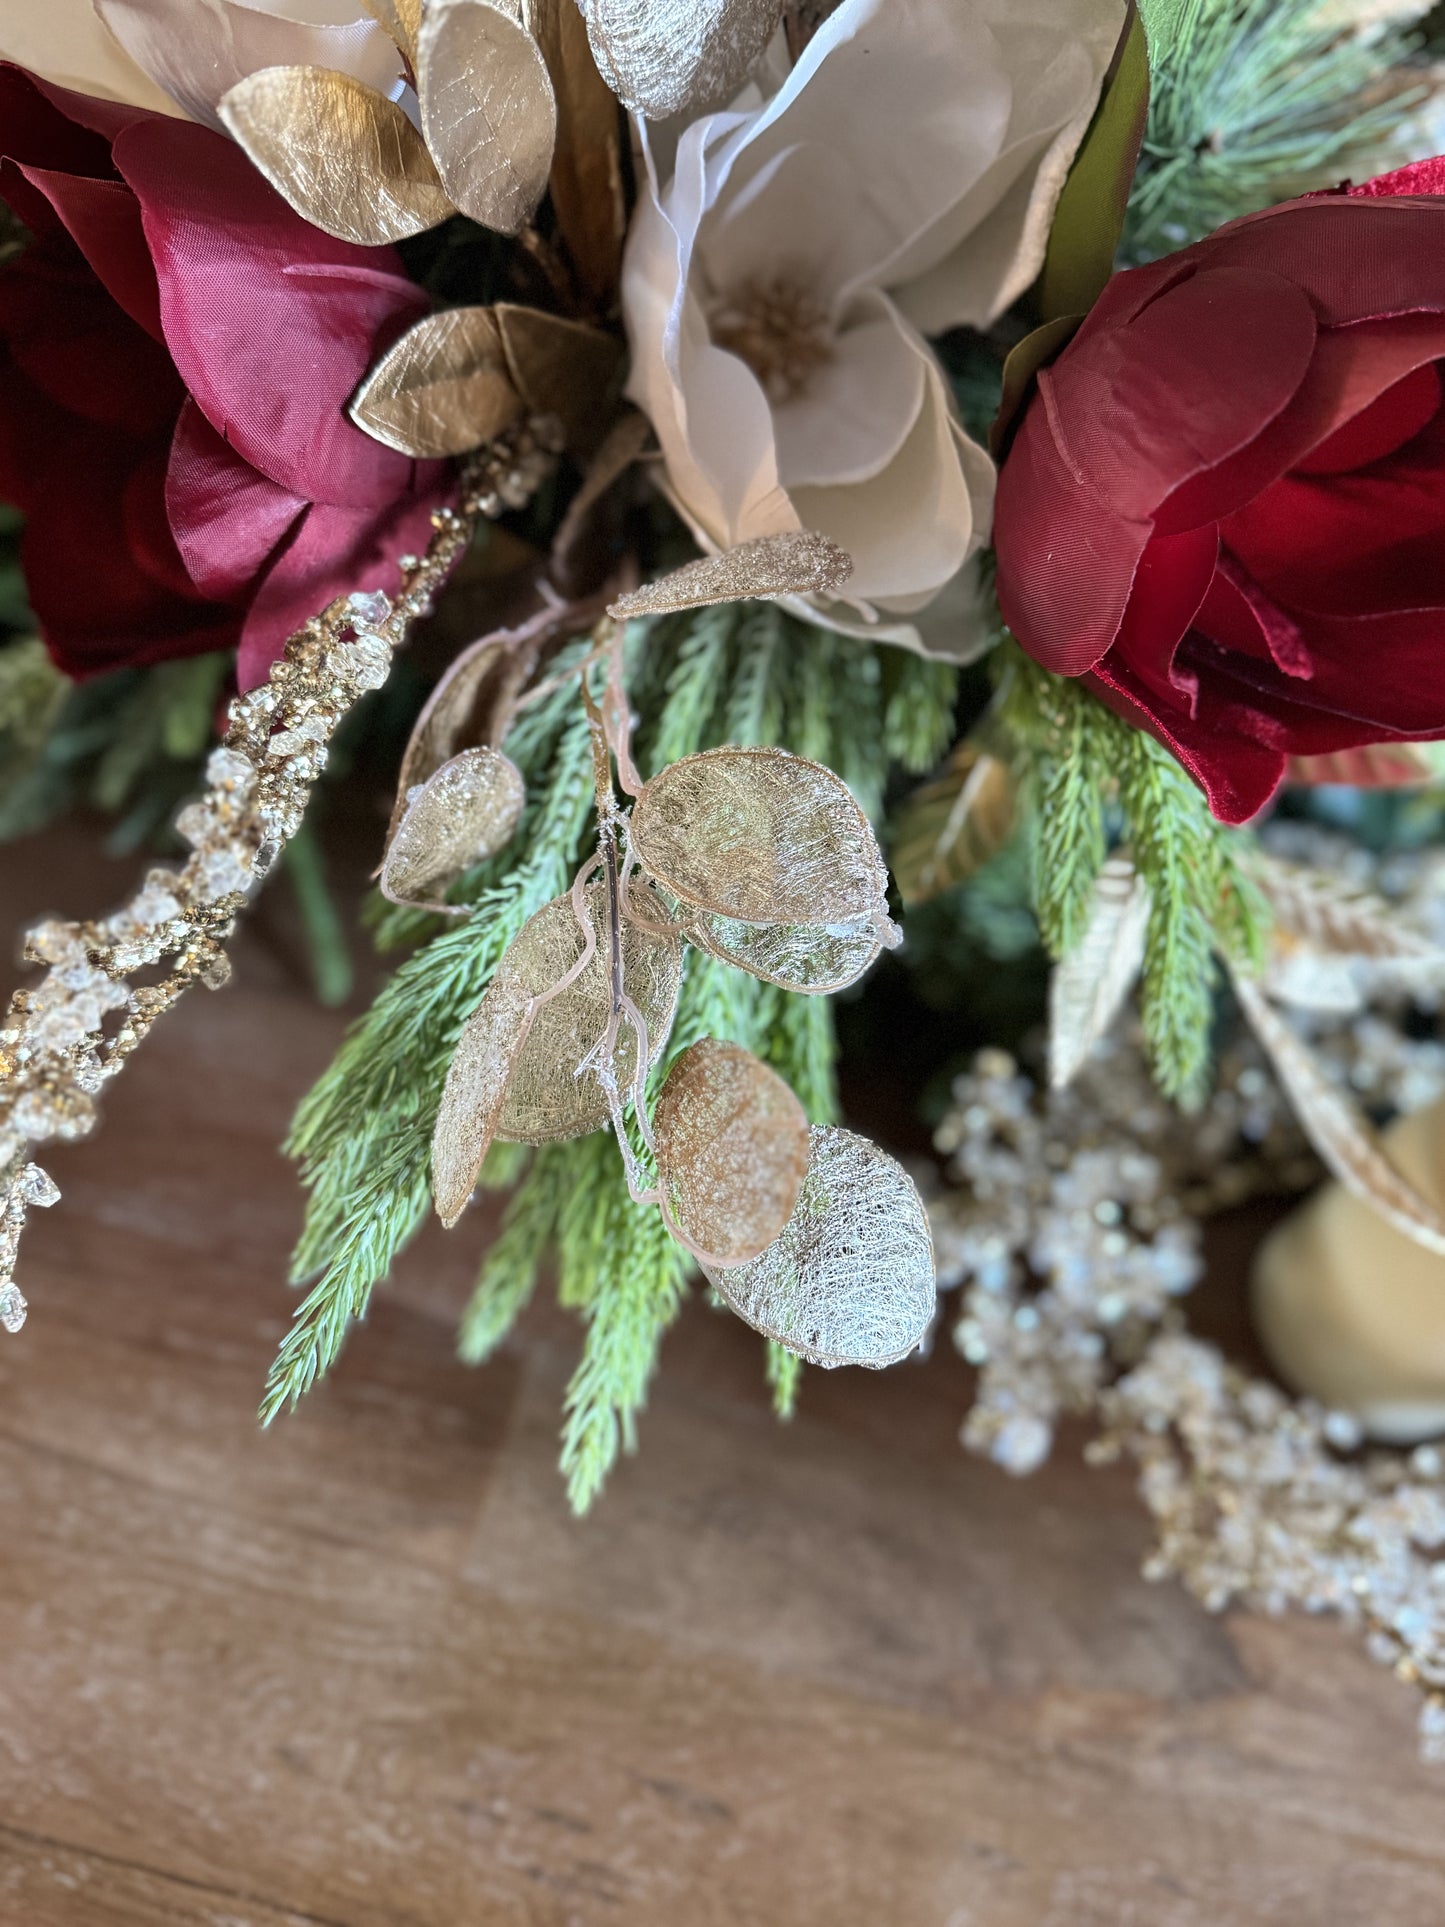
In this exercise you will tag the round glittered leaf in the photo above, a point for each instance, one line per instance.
(812, 958)
(465, 812)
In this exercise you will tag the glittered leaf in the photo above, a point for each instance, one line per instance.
(1089, 986)
(732, 1148)
(476, 1088)
(465, 812)
(850, 1279)
(663, 56)
(813, 958)
(486, 109)
(799, 562)
(586, 180)
(951, 827)
(344, 156)
(1315, 910)
(1347, 1146)
(442, 389)
(1090, 215)
(760, 835)
(1374, 766)
(562, 368)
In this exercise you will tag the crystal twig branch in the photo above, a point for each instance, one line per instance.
(109, 981)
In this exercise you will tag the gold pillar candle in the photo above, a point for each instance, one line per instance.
(1352, 1311)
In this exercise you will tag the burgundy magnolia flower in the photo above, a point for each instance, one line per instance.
(1226, 502)
(177, 348)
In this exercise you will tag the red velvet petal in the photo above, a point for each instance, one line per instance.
(1173, 576)
(271, 322)
(226, 517)
(1420, 177)
(1238, 774)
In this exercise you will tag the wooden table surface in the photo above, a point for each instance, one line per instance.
(365, 1671)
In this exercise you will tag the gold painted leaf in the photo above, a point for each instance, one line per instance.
(798, 562)
(442, 389)
(401, 19)
(732, 1148)
(814, 959)
(487, 110)
(662, 57)
(850, 1279)
(465, 812)
(760, 835)
(1349, 1149)
(586, 180)
(343, 155)
(562, 368)
(1090, 984)
(621, 446)
(950, 827)
(475, 1090)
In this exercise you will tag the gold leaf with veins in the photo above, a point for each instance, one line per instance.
(487, 110)
(1089, 985)
(442, 389)
(344, 156)
(814, 959)
(562, 368)
(663, 56)
(586, 180)
(850, 1280)
(799, 562)
(732, 1148)
(476, 1088)
(760, 835)
(464, 812)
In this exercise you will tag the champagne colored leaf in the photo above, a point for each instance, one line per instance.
(662, 57)
(760, 835)
(850, 1279)
(442, 389)
(620, 448)
(586, 180)
(486, 109)
(1320, 913)
(475, 1090)
(732, 1148)
(950, 827)
(812, 958)
(344, 156)
(798, 562)
(1089, 986)
(465, 812)
(1348, 1147)
(562, 368)
(1375, 766)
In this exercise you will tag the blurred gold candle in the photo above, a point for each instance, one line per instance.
(1351, 1310)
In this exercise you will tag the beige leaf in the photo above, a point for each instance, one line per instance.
(586, 180)
(465, 812)
(814, 959)
(486, 109)
(620, 448)
(732, 1148)
(343, 155)
(1317, 910)
(952, 826)
(442, 389)
(1348, 1147)
(850, 1279)
(562, 368)
(1090, 985)
(760, 835)
(401, 19)
(476, 1088)
(798, 562)
(661, 57)
(1373, 766)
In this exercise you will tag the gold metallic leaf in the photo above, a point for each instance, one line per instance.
(465, 812)
(487, 110)
(950, 827)
(760, 835)
(442, 389)
(562, 368)
(799, 562)
(476, 1088)
(620, 448)
(343, 155)
(1347, 1146)
(662, 57)
(586, 180)
(732, 1148)
(812, 958)
(402, 20)
(850, 1280)
(1090, 984)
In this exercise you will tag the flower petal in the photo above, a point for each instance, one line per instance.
(65, 41)
(226, 517)
(856, 411)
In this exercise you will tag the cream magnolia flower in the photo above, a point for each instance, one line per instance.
(777, 285)
(185, 54)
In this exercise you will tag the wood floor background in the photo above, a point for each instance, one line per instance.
(365, 1671)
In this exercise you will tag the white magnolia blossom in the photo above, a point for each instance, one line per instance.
(183, 55)
(780, 279)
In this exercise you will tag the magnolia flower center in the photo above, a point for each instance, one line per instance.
(779, 329)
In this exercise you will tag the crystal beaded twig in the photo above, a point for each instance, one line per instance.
(55, 1050)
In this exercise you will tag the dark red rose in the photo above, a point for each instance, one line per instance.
(177, 348)
(1226, 502)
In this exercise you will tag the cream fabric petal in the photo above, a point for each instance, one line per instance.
(66, 42)
(804, 218)
(196, 50)
(856, 411)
